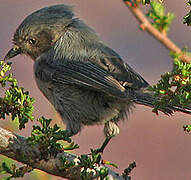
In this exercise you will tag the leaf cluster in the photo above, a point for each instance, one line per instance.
(50, 138)
(16, 101)
(187, 18)
(187, 128)
(89, 165)
(174, 88)
(161, 21)
(14, 172)
(65, 163)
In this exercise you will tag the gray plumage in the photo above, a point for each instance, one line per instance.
(86, 81)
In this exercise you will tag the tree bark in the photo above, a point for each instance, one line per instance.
(17, 147)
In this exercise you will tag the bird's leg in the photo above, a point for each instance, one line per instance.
(107, 139)
(111, 129)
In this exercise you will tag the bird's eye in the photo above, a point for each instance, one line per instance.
(32, 41)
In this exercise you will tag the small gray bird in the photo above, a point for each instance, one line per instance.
(86, 81)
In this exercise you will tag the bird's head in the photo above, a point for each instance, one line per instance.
(40, 30)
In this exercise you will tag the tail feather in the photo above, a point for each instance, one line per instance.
(147, 99)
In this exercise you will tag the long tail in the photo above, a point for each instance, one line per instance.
(147, 99)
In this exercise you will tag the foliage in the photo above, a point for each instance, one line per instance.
(16, 101)
(49, 138)
(65, 164)
(89, 165)
(161, 21)
(174, 88)
(187, 18)
(6, 168)
(187, 128)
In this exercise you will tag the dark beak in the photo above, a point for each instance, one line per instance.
(12, 53)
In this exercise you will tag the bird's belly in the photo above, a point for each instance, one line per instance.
(81, 105)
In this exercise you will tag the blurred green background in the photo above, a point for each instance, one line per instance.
(158, 144)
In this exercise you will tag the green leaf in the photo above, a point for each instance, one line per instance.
(161, 21)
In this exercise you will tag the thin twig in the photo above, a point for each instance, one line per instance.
(146, 25)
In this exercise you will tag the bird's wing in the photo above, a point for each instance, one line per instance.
(105, 73)
(84, 74)
(120, 70)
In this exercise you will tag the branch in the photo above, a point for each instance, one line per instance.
(16, 147)
(161, 37)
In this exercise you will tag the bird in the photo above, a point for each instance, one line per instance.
(85, 80)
